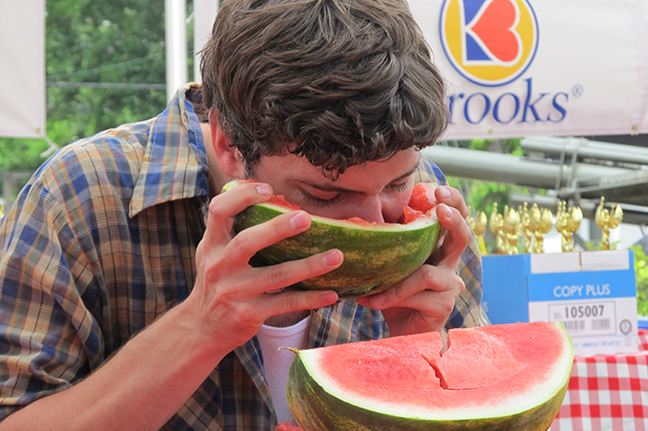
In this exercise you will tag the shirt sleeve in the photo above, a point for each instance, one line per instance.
(48, 338)
(467, 311)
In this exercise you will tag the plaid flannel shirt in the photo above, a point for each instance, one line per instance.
(102, 241)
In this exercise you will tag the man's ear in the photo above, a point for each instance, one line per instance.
(229, 157)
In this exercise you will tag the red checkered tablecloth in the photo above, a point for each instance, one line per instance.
(607, 393)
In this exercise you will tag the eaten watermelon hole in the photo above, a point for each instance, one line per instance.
(437, 373)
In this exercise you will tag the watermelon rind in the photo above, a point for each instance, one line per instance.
(376, 257)
(317, 405)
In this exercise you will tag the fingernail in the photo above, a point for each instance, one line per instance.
(300, 221)
(332, 258)
(377, 301)
(445, 193)
(329, 297)
(264, 190)
(447, 212)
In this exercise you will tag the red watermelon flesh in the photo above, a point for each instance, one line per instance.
(422, 197)
(282, 202)
(287, 426)
(481, 367)
(420, 206)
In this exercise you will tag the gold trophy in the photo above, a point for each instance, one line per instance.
(540, 224)
(525, 229)
(568, 222)
(479, 227)
(511, 227)
(607, 220)
(496, 224)
(561, 218)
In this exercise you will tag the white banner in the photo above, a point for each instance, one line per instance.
(204, 15)
(22, 68)
(520, 68)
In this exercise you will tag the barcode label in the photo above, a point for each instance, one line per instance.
(585, 318)
(595, 325)
(580, 325)
(601, 324)
(574, 325)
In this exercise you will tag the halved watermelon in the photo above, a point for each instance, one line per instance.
(376, 255)
(509, 377)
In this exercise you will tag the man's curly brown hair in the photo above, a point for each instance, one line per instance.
(339, 82)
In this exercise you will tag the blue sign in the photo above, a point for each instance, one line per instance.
(506, 294)
(581, 285)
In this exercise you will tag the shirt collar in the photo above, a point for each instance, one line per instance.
(175, 161)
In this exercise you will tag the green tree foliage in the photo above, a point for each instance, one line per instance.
(105, 66)
(116, 42)
(641, 274)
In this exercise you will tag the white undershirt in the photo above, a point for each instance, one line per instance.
(277, 361)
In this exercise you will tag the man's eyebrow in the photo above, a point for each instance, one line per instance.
(408, 173)
(334, 188)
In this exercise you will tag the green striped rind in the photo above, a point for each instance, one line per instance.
(375, 258)
(315, 409)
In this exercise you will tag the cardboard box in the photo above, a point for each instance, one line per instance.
(593, 293)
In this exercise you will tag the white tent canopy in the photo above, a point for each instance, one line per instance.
(22, 68)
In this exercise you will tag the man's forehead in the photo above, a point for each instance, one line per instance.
(370, 172)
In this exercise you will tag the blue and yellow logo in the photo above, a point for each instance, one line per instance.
(489, 42)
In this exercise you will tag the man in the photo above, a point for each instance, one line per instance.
(128, 304)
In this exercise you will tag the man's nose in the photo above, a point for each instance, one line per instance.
(370, 208)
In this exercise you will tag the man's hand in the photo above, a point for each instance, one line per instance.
(170, 358)
(231, 298)
(424, 300)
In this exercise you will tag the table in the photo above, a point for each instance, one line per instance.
(607, 393)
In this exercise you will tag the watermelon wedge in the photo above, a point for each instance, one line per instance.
(509, 377)
(376, 255)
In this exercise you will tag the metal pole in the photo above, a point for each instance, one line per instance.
(176, 45)
(506, 168)
(588, 149)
